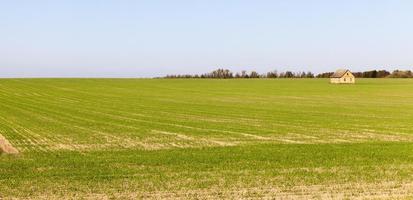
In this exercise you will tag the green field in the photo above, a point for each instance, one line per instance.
(240, 138)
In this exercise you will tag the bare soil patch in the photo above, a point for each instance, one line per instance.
(6, 147)
(381, 190)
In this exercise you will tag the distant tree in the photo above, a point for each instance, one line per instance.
(289, 74)
(244, 74)
(254, 74)
(309, 75)
(382, 73)
(219, 73)
(358, 74)
(370, 74)
(272, 74)
(325, 75)
(401, 74)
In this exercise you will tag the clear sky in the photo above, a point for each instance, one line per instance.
(120, 38)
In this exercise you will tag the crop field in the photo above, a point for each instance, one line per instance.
(207, 139)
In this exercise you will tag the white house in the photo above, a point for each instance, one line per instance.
(342, 76)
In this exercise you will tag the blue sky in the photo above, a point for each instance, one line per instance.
(120, 38)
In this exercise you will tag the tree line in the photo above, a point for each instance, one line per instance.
(227, 74)
(366, 74)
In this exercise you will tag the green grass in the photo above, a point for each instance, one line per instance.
(156, 138)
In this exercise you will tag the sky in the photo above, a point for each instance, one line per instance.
(149, 38)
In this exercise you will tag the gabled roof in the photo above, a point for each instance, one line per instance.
(339, 73)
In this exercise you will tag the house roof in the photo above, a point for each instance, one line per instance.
(339, 73)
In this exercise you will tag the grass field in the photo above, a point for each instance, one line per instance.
(158, 138)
